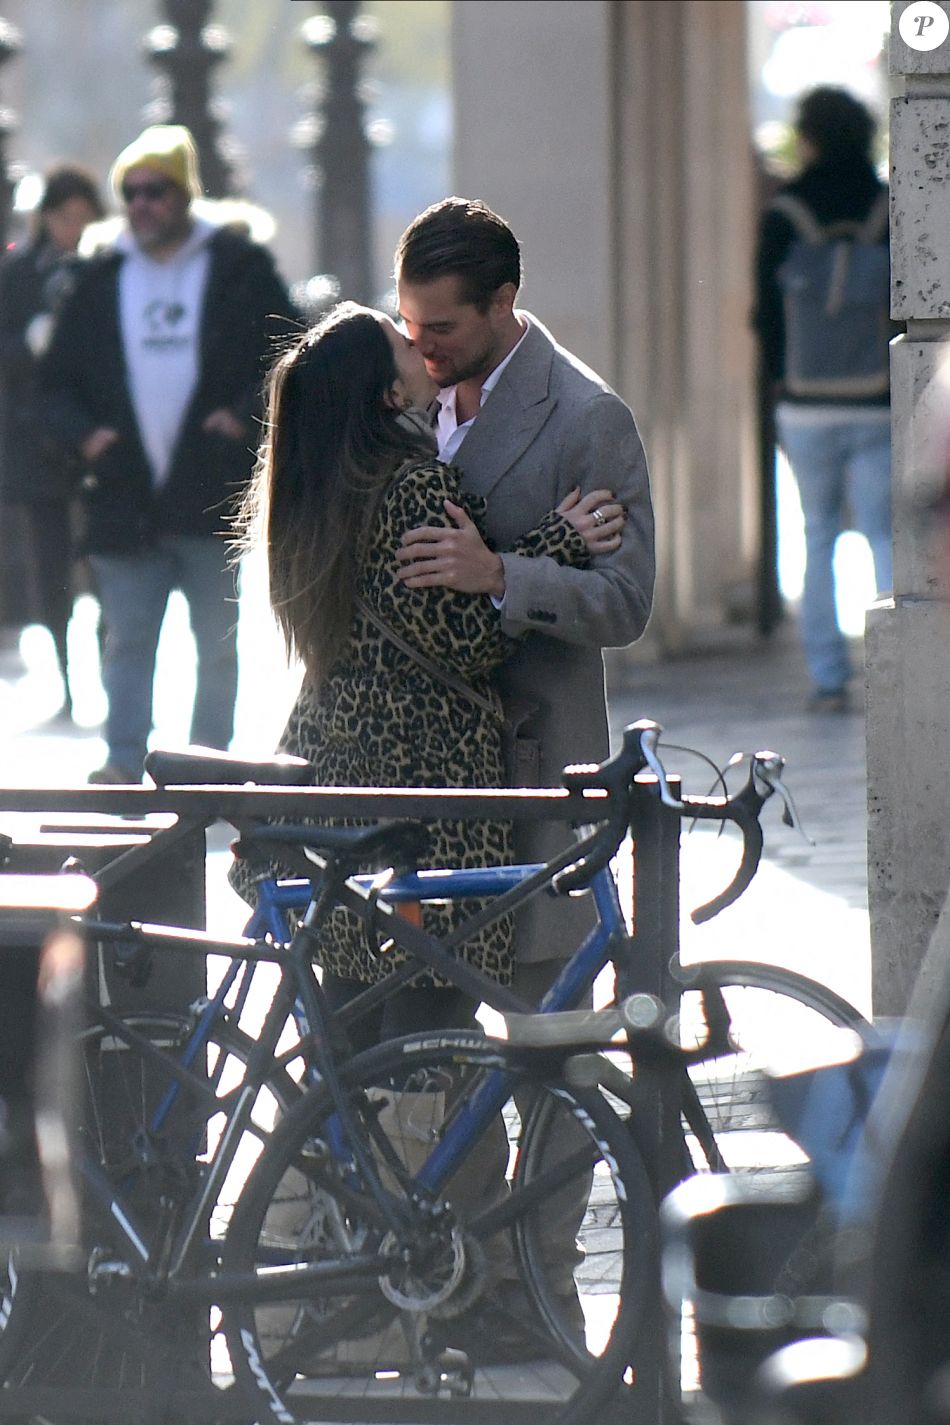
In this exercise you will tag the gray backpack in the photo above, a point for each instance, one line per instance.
(835, 284)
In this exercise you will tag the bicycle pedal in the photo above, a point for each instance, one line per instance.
(457, 1371)
(450, 1371)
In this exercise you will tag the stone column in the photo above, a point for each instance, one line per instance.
(621, 155)
(908, 636)
(684, 244)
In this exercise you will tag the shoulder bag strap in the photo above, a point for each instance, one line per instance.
(443, 675)
(800, 216)
(875, 224)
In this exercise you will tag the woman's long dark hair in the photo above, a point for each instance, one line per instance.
(331, 444)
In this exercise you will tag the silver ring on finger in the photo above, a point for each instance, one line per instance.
(598, 517)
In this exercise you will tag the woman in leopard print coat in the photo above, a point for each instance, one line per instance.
(344, 472)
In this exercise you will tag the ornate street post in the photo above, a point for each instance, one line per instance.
(10, 44)
(185, 50)
(342, 37)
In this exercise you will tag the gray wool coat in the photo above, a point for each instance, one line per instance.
(550, 424)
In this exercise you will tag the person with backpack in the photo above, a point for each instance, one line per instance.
(823, 317)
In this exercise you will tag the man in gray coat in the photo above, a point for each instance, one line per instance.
(528, 424)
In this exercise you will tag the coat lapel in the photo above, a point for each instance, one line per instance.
(511, 417)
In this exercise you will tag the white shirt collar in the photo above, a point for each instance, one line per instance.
(448, 431)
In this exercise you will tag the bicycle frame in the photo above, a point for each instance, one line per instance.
(513, 883)
(237, 1104)
(277, 898)
(376, 900)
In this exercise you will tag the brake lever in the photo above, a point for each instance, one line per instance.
(767, 768)
(649, 740)
(614, 776)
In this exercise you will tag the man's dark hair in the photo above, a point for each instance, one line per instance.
(65, 182)
(839, 126)
(464, 238)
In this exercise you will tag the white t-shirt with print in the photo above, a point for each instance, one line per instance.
(160, 315)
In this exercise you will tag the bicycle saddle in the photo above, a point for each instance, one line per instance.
(205, 766)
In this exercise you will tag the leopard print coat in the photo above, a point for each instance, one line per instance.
(381, 720)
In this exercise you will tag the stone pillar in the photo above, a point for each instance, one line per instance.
(908, 637)
(687, 213)
(621, 155)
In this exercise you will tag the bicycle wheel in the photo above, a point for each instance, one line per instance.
(462, 1313)
(69, 1330)
(123, 1091)
(771, 1011)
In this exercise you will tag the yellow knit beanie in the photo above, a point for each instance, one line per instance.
(169, 149)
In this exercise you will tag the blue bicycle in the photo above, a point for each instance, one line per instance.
(391, 1256)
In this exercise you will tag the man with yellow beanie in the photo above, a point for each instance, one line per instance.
(154, 377)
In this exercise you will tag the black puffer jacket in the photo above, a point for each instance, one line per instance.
(34, 281)
(246, 309)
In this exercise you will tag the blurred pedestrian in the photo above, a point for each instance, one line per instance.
(822, 314)
(154, 378)
(39, 477)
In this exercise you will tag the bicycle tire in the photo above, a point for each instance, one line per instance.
(53, 1333)
(771, 1009)
(338, 1351)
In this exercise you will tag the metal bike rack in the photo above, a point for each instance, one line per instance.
(156, 873)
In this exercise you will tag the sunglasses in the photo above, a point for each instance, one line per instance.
(151, 192)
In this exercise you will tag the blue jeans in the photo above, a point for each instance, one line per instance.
(133, 593)
(837, 465)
